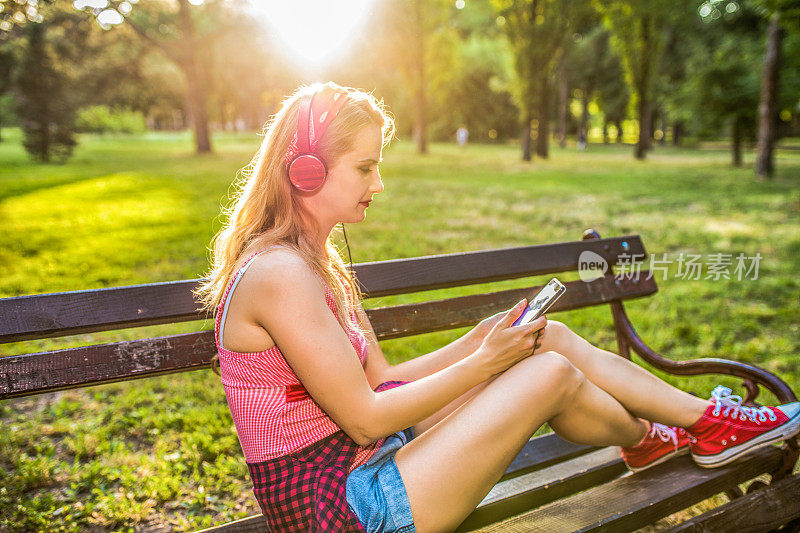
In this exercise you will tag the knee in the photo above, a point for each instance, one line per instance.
(556, 335)
(566, 376)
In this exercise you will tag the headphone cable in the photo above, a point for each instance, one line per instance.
(350, 257)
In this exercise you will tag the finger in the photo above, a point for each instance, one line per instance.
(515, 311)
(535, 325)
(510, 316)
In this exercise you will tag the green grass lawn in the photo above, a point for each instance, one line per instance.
(162, 452)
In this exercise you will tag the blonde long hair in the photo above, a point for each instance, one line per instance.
(265, 210)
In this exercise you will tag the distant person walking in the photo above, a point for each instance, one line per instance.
(462, 134)
(582, 139)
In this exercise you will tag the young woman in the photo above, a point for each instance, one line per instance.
(335, 437)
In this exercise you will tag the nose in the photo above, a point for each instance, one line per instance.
(377, 185)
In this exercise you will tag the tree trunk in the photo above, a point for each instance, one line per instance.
(605, 132)
(736, 138)
(196, 89)
(765, 162)
(563, 93)
(644, 70)
(525, 136)
(584, 124)
(543, 129)
(651, 128)
(223, 120)
(644, 128)
(420, 126)
(619, 130)
(420, 118)
(676, 133)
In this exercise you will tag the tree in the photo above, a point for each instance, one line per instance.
(637, 31)
(782, 15)
(537, 31)
(44, 105)
(14, 16)
(594, 66)
(723, 91)
(414, 61)
(767, 109)
(748, 99)
(184, 36)
(6, 68)
(613, 94)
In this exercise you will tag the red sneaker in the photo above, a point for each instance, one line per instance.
(728, 430)
(660, 444)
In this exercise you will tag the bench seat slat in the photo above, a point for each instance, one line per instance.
(69, 313)
(637, 500)
(92, 365)
(517, 495)
(763, 510)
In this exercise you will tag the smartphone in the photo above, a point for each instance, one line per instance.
(539, 304)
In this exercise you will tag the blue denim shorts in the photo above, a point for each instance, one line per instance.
(375, 490)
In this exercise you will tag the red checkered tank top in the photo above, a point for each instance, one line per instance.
(297, 456)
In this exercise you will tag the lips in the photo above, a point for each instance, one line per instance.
(365, 204)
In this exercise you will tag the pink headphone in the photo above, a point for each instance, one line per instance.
(306, 169)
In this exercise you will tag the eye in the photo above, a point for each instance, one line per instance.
(365, 170)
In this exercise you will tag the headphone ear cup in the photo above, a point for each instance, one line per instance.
(307, 172)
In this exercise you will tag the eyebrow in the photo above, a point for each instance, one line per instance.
(370, 160)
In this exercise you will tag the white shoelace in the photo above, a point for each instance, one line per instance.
(665, 433)
(732, 405)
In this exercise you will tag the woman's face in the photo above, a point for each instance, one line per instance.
(352, 182)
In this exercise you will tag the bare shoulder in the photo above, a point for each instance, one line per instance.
(279, 275)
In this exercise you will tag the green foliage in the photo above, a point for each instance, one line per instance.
(537, 32)
(636, 28)
(723, 87)
(103, 119)
(594, 67)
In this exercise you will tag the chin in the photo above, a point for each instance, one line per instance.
(354, 219)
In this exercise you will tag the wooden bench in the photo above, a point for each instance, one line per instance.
(552, 485)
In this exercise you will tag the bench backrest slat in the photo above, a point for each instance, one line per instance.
(401, 276)
(70, 313)
(425, 317)
(22, 375)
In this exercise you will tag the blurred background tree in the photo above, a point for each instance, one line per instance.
(537, 31)
(49, 69)
(507, 70)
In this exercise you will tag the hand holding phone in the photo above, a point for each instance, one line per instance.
(541, 302)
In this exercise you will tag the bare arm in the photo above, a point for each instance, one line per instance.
(378, 369)
(288, 300)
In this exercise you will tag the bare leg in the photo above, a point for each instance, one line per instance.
(449, 468)
(633, 386)
(439, 415)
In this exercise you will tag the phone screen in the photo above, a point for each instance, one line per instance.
(541, 302)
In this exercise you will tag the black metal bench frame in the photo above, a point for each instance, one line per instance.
(552, 485)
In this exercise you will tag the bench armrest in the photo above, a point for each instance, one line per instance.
(751, 374)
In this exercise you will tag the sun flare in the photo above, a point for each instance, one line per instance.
(314, 31)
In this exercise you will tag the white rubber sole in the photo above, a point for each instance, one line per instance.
(786, 431)
(664, 459)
